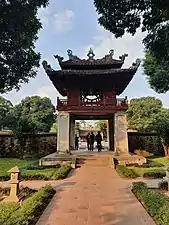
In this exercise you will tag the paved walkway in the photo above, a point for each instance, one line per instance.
(94, 195)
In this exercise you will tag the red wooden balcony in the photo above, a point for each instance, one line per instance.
(89, 105)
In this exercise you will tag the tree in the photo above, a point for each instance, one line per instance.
(161, 125)
(157, 73)
(19, 26)
(142, 112)
(33, 114)
(54, 127)
(77, 127)
(121, 16)
(5, 108)
(102, 126)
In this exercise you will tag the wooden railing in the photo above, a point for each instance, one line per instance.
(62, 104)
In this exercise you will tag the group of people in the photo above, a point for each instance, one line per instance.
(91, 138)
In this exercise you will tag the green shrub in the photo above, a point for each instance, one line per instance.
(162, 216)
(125, 172)
(155, 175)
(155, 164)
(44, 174)
(155, 202)
(6, 209)
(149, 164)
(32, 207)
(36, 166)
(62, 172)
(4, 191)
(132, 164)
(140, 189)
(4, 177)
(163, 185)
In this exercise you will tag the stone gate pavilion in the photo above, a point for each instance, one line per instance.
(90, 88)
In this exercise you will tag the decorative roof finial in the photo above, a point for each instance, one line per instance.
(123, 57)
(46, 66)
(136, 64)
(59, 58)
(91, 54)
(71, 56)
(111, 52)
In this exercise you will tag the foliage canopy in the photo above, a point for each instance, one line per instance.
(5, 108)
(121, 16)
(142, 112)
(34, 114)
(19, 26)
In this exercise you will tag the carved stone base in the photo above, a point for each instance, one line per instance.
(124, 159)
(58, 158)
(11, 199)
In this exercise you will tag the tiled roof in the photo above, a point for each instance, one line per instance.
(93, 72)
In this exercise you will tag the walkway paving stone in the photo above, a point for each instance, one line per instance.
(94, 195)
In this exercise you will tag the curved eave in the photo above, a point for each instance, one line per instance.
(58, 84)
(93, 72)
(119, 77)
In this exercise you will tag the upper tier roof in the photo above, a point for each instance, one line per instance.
(115, 78)
(74, 62)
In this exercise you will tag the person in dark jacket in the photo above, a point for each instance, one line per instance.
(88, 141)
(99, 141)
(92, 139)
(76, 142)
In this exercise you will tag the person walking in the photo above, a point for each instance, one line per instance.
(92, 139)
(99, 141)
(88, 141)
(76, 142)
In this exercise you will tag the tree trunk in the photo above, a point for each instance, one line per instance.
(166, 150)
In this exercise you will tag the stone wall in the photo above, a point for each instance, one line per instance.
(147, 142)
(34, 147)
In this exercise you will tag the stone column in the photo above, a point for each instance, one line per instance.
(63, 140)
(120, 134)
(72, 132)
(111, 133)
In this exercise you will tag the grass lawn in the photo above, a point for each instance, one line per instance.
(30, 170)
(7, 163)
(141, 171)
(162, 160)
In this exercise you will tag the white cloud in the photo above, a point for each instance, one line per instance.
(105, 41)
(132, 45)
(64, 20)
(43, 15)
(48, 91)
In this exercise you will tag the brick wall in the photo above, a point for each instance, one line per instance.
(36, 147)
(149, 142)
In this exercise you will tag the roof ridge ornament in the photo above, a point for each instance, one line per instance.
(136, 64)
(123, 57)
(109, 56)
(47, 66)
(71, 56)
(91, 54)
(111, 52)
(59, 58)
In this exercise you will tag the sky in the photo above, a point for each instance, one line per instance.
(72, 24)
